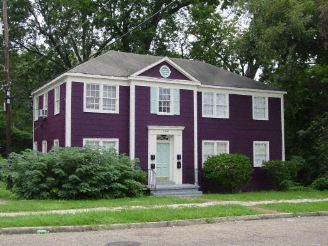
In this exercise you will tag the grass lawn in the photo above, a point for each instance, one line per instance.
(297, 208)
(150, 214)
(126, 216)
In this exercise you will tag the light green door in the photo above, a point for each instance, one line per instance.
(163, 160)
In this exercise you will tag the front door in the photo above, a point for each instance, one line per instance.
(163, 161)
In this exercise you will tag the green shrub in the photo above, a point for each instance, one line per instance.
(229, 170)
(321, 183)
(74, 173)
(280, 172)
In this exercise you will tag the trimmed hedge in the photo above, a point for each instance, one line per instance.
(229, 170)
(73, 173)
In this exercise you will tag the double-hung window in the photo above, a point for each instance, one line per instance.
(215, 105)
(260, 108)
(45, 101)
(211, 148)
(106, 143)
(261, 152)
(44, 146)
(36, 108)
(57, 100)
(101, 98)
(164, 101)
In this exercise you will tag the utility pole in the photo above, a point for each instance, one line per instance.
(7, 82)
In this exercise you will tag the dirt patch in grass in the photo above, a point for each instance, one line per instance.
(264, 210)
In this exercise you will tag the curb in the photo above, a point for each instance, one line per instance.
(58, 229)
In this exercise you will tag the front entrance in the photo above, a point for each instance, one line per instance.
(163, 161)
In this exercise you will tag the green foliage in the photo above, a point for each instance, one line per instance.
(280, 172)
(321, 183)
(229, 170)
(73, 173)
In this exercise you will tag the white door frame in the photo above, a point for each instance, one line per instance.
(175, 138)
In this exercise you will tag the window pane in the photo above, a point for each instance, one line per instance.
(221, 148)
(92, 96)
(221, 105)
(208, 106)
(208, 150)
(92, 143)
(110, 144)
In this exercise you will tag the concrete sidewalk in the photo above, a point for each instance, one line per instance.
(205, 204)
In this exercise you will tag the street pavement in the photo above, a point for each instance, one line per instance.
(307, 231)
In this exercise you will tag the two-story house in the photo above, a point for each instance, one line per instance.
(170, 113)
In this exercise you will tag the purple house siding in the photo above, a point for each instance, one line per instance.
(241, 130)
(154, 72)
(100, 125)
(186, 118)
(52, 127)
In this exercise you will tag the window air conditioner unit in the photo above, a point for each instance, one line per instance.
(43, 113)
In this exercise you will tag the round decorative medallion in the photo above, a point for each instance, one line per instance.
(165, 71)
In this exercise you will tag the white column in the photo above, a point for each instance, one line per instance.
(68, 116)
(132, 136)
(195, 136)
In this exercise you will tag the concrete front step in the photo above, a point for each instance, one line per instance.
(170, 189)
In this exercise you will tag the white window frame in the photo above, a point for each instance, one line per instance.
(57, 100)
(215, 104)
(256, 152)
(44, 146)
(101, 142)
(266, 108)
(215, 143)
(45, 101)
(101, 99)
(170, 101)
(35, 145)
(56, 143)
(36, 108)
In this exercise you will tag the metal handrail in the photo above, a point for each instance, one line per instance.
(152, 178)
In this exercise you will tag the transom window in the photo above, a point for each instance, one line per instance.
(261, 152)
(103, 143)
(164, 100)
(101, 98)
(211, 148)
(260, 108)
(215, 105)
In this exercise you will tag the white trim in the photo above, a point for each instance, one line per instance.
(241, 91)
(76, 77)
(176, 82)
(195, 137)
(215, 144)
(171, 107)
(56, 108)
(169, 61)
(267, 143)
(266, 112)
(45, 101)
(102, 140)
(132, 133)
(282, 129)
(68, 116)
(35, 108)
(174, 134)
